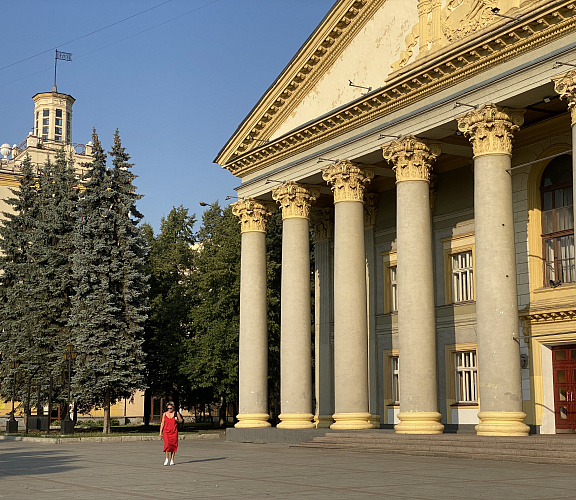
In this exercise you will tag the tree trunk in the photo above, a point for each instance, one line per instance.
(222, 412)
(107, 427)
(75, 413)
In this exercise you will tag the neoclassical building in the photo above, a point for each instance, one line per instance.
(427, 144)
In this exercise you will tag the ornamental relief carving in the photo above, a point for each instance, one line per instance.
(443, 22)
(411, 157)
(491, 128)
(295, 199)
(348, 180)
(565, 85)
(253, 215)
(370, 210)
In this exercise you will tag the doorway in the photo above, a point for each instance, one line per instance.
(564, 370)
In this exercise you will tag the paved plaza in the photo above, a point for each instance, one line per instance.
(221, 469)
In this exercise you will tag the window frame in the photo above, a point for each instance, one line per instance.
(452, 246)
(450, 352)
(389, 261)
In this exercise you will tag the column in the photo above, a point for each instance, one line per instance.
(323, 228)
(370, 207)
(565, 85)
(348, 182)
(253, 341)
(295, 327)
(412, 160)
(490, 130)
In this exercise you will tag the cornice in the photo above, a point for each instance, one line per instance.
(317, 54)
(540, 28)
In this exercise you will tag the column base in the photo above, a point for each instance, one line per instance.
(323, 421)
(252, 420)
(351, 421)
(502, 423)
(375, 421)
(419, 422)
(296, 421)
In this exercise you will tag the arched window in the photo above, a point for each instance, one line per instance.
(558, 222)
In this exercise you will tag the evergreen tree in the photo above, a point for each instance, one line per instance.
(170, 266)
(109, 307)
(37, 248)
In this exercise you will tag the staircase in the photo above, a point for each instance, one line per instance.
(548, 449)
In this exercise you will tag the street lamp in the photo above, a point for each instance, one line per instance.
(12, 424)
(67, 425)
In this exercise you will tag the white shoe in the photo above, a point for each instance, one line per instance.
(166, 462)
(171, 462)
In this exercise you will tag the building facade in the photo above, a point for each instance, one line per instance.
(428, 146)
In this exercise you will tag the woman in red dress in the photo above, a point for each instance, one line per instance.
(169, 431)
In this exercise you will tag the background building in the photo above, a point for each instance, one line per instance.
(429, 147)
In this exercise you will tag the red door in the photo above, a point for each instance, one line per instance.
(564, 367)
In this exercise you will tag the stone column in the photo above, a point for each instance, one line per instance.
(565, 85)
(253, 341)
(373, 364)
(348, 182)
(295, 327)
(490, 130)
(412, 160)
(323, 228)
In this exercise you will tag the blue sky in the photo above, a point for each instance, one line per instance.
(176, 92)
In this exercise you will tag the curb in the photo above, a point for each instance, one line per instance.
(103, 439)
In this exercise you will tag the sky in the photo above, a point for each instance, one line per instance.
(176, 79)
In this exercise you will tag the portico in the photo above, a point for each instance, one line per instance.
(427, 316)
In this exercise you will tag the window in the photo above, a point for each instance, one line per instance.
(58, 130)
(58, 137)
(45, 112)
(59, 113)
(458, 268)
(59, 121)
(393, 289)
(44, 130)
(558, 222)
(466, 377)
(45, 121)
(395, 373)
(462, 277)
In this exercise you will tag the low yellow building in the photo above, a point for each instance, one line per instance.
(428, 145)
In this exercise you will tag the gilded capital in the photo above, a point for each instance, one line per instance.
(322, 222)
(295, 199)
(565, 85)
(348, 180)
(253, 215)
(411, 157)
(491, 128)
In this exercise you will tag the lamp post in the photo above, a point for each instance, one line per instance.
(12, 423)
(67, 425)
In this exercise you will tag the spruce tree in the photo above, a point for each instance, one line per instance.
(109, 307)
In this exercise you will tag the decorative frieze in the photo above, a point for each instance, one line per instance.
(491, 128)
(565, 85)
(322, 223)
(411, 157)
(348, 180)
(295, 199)
(253, 215)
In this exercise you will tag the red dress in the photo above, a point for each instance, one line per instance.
(170, 434)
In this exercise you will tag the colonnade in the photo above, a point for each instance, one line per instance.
(490, 130)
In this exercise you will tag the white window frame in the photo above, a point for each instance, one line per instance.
(462, 268)
(453, 246)
(395, 379)
(466, 377)
(389, 262)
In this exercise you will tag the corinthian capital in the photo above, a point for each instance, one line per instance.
(348, 180)
(322, 223)
(295, 199)
(411, 157)
(491, 128)
(253, 215)
(565, 85)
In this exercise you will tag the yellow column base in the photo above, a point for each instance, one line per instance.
(252, 420)
(296, 421)
(419, 422)
(351, 421)
(323, 421)
(375, 421)
(502, 423)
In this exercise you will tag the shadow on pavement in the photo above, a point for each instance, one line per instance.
(201, 460)
(18, 461)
